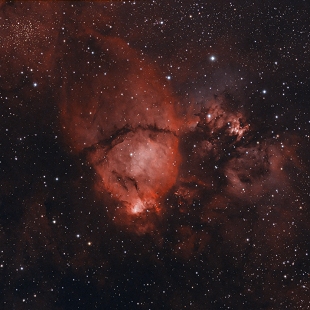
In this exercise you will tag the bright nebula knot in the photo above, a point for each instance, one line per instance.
(140, 168)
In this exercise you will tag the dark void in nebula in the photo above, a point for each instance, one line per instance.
(154, 155)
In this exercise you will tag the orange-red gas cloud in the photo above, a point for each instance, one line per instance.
(124, 118)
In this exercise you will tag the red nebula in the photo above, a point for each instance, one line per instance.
(123, 91)
(123, 118)
(140, 169)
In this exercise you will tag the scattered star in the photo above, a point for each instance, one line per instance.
(154, 155)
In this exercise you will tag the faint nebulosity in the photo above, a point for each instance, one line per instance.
(154, 155)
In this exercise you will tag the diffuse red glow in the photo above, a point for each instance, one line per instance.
(125, 119)
(146, 168)
(139, 170)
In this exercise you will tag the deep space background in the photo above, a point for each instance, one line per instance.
(154, 154)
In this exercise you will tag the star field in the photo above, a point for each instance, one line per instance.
(154, 155)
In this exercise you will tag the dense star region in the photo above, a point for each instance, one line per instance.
(154, 155)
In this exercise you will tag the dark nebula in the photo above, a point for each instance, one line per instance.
(154, 155)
